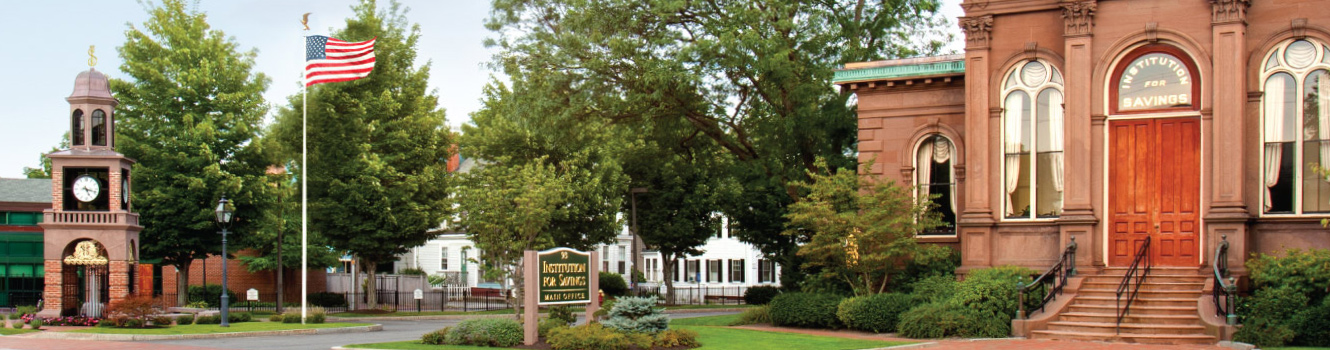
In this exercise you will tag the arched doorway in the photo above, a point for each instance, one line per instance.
(86, 288)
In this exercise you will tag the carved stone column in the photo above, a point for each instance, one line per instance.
(976, 220)
(1227, 211)
(1078, 216)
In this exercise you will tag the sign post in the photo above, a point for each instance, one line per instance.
(252, 295)
(418, 295)
(556, 277)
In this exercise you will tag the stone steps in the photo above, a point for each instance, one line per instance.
(1164, 311)
(1171, 339)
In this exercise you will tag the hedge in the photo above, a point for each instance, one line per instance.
(806, 310)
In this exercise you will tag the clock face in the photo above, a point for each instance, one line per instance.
(124, 191)
(86, 188)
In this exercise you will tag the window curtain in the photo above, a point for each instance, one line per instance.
(942, 152)
(1055, 139)
(923, 169)
(1274, 134)
(1012, 147)
(1323, 118)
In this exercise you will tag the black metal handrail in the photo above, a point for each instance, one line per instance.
(1055, 278)
(1224, 309)
(1142, 254)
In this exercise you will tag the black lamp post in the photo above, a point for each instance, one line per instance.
(224, 220)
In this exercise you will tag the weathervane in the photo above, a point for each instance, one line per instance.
(304, 20)
(92, 57)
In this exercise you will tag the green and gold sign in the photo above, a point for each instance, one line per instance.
(565, 277)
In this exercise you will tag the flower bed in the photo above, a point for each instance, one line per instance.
(81, 321)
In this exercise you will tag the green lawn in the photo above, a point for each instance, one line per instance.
(11, 331)
(711, 337)
(426, 313)
(212, 328)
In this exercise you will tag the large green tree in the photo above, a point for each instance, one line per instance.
(44, 172)
(752, 76)
(378, 147)
(188, 113)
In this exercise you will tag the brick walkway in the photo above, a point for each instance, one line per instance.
(988, 344)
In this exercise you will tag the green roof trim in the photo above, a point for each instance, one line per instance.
(887, 72)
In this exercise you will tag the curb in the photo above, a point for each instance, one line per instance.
(465, 317)
(149, 337)
(909, 346)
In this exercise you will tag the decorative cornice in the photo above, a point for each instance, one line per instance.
(978, 30)
(1229, 11)
(1079, 17)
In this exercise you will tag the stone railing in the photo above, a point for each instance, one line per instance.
(91, 217)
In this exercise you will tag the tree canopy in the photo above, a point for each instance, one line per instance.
(188, 113)
(378, 146)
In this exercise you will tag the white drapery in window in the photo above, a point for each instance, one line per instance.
(1274, 134)
(1012, 145)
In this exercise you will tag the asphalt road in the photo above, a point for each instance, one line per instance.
(392, 331)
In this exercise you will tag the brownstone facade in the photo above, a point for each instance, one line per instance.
(1218, 58)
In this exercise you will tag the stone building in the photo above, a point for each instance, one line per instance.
(1177, 129)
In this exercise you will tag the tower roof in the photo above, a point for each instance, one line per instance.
(91, 84)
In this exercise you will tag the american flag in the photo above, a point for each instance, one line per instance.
(328, 60)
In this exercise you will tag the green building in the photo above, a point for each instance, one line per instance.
(22, 276)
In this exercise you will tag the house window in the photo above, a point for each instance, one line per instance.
(714, 271)
(623, 260)
(935, 180)
(76, 128)
(443, 258)
(766, 271)
(1032, 141)
(98, 128)
(691, 274)
(1295, 108)
(737, 270)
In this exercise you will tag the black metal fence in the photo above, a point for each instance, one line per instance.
(695, 295)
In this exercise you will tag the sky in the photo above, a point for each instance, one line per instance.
(47, 47)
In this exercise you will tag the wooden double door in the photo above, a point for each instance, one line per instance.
(1154, 190)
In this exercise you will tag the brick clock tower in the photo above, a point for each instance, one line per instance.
(91, 234)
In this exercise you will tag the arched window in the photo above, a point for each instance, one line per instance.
(1032, 141)
(1295, 111)
(935, 179)
(76, 128)
(98, 128)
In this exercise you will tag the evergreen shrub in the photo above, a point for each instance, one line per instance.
(613, 284)
(805, 310)
(496, 332)
(760, 295)
(637, 315)
(876, 313)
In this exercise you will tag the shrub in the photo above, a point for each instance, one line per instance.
(210, 294)
(316, 315)
(197, 305)
(595, 337)
(935, 288)
(613, 284)
(805, 310)
(760, 295)
(162, 321)
(754, 315)
(237, 317)
(676, 338)
(637, 314)
(292, 316)
(435, 337)
(212, 319)
(135, 307)
(1264, 334)
(135, 323)
(564, 313)
(1307, 272)
(184, 319)
(876, 313)
(992, 291)
(276, 318)
(25, 310)
(497, 332)
(107, 323)
(543, 329)
(940, 320)
(1312, 325)
(326, 299)
(36, 323)
(944, 262)
(1276, 305)
(411, 271)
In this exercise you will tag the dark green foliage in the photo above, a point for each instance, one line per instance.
(211, 294)
(876, 313)
(919, 270)
(754, 315)
(497, 332)
(637, 315)
(1312, 325)
(543, 329)
(935, 288)
(806, 310)
(760, 295)
(1307, 272)
(563, 313)
(595, 337)
(184, 319)
(613, 284)
(411, 271)
(327, 299)
(213, 319)
(162, 321)
(1269, 315)
(993, 291)
(1264, 334)
(237, 317)
(435, 337)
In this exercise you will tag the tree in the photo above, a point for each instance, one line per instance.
(754, 77)
(378, 147)
(44, 172)
(860, 230)
(189, 114)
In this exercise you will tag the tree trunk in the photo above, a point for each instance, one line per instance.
(668, 272)
(371, 288)
(519, 285)
(280, 267)
(182, 282)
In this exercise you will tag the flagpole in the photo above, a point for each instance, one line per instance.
(304, 197)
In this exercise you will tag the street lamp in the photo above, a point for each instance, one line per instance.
(637, 251)
(224, 220)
